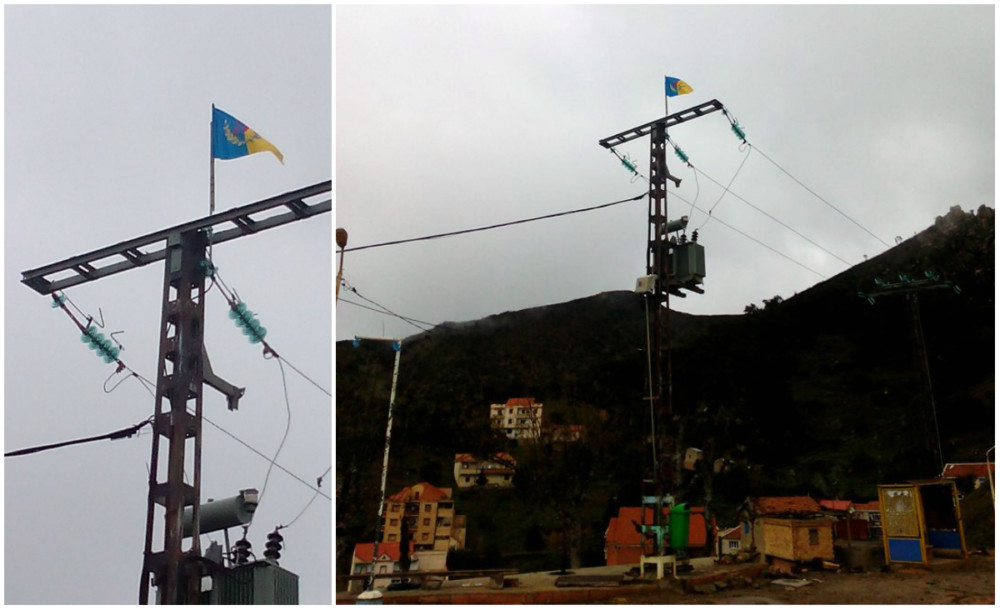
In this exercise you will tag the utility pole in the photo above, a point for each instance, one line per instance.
(910, 287)
(182, 366)
(397, 346)
(658, 262)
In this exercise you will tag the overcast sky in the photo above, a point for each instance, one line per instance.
(456, 117)
(106, 138)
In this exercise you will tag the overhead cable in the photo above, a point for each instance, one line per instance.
(110, 436)
(496, 226)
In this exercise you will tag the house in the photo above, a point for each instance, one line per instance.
(845, 514)
(728, 541)
(430, 515)
(568, 433)
(518, 418)
(793, 528)
(623, 544)
(495, 472)
(978, 472)
(387, 563)
(870, 511)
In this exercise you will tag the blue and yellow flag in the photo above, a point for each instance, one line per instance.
(676, 86)
(232, 139)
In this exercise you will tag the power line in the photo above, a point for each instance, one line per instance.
(777, 220)
(386, 310)
(288, 426)
(319, 481)
(110, 436)
(835, 208)
(754, 239)
(276, 464)
(386, 313)
(496, 226)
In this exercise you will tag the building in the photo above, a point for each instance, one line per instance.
(566, 433)
(518, 418)
(845, 514)
(729, 541)
(623, 544)
(978, 472)
(792, 528)
(387, 563)
(495, 472)
(871, 512)
(430, 515)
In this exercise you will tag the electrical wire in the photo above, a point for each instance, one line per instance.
(496, 226)
(232, 297)
(726, 190)
(754, 239)
(251, 448)
(384, 313)
(698, 171)
(319, 481)
(111, 436)
(386, 310)
(835, 208)
(288, 426)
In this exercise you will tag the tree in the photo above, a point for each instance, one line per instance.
(404, 545)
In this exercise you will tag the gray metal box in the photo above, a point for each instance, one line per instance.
(687, 264)
(258, 583)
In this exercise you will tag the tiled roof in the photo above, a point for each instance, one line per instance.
(464, 457)
(428, 493)
(363, 551)
(867, 506)
(967, 469)
(836, 505)
(793, 505)
(732, 533)
(520, 402)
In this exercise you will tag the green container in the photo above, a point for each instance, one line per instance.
(680, 523)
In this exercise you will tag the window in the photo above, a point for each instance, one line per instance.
(383, 569)
(734, 545)
(468, 479)
(427, 521)
(393, 522)
(394, 508)
(392, 537)
(424, 537)
(813, 537)
(427, 508)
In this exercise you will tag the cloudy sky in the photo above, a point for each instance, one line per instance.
(106, 138)
(457, 117)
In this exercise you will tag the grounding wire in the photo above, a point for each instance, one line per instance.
(496, 226)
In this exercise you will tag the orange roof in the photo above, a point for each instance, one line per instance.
(867, 506)
(429, 493)
(520, 402)
(464, 457)
(967, 469)
(732, 533)
(363, 551)
(797, 505)
(836, 505)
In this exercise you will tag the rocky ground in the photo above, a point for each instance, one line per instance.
(971, 582)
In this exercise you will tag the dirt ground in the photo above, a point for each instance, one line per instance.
(971, 582)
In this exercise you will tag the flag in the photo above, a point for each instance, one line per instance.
(676, 86)
(232, 139)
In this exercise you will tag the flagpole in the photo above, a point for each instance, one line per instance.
(211, 171)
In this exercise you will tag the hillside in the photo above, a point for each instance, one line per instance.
(819, 393)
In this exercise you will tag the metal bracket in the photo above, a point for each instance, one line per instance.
(232, 393)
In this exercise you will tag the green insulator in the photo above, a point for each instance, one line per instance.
(739, 132)
(680, 154)
(57, 301)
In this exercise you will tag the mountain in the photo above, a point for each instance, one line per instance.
(820, 392)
